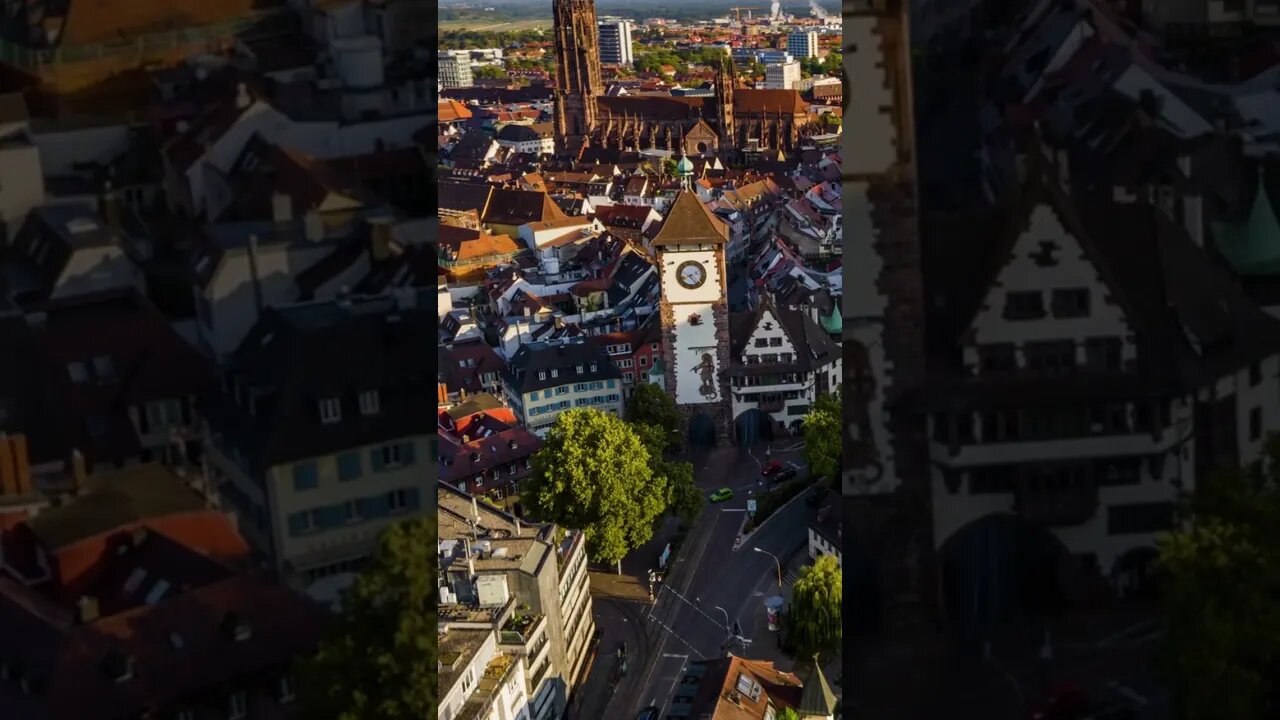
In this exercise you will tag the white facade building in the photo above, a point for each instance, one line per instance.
(455, 70)
(782, 76)
(484, 683)
(615, 41)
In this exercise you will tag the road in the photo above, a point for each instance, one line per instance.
(688, 622)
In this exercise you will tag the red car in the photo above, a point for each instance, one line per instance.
(771, 468)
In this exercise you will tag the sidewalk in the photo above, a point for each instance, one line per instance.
(765, 642)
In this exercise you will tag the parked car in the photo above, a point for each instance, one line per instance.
(771, 468)
(785, 475)
(721, 495)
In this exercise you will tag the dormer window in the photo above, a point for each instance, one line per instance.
(104, 368)
(78, 372)
(580, 369)
(594, 367)
(330, 410)
(369, 403)
(555, 372)
(542, 374)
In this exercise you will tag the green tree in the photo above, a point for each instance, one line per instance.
(788, 714)
(488, 71)
(378, 658)
(669, 170)
(1220, 580)
(822, 429)
(649, 405)
(593, 473)
(814, 622)
(684, 498)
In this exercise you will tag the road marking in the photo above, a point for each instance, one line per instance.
(1128, 633)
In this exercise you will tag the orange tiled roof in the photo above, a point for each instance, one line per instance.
(450, 110)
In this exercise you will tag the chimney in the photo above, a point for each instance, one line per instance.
(86, 609)
(313, 226)
(281, 207)
(475, 508)
(517, 519)
(79, 472)
(8, 469)
(110, 206)
(380, 240)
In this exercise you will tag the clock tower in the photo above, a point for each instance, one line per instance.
(689, 250)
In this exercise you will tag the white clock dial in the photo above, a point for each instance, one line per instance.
(691, 274)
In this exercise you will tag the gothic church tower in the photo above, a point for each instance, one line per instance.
(724, 101)
(578, 80)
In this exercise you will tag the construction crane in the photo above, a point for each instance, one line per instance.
(738, 12)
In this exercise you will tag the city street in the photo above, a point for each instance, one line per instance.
(688, 621)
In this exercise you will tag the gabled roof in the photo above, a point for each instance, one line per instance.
(768, 101)
(286, 365)
(689, 222)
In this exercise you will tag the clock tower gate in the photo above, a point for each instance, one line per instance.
(694, 309)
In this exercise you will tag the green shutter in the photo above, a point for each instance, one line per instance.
(375, 459)
(406, 453)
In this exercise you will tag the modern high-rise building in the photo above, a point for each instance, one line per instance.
(527, 581)
(455, 70)
(802, 44)
(615, 41)
(782, 76)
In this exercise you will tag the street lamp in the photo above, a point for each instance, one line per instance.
(776, 562)
(728, 630)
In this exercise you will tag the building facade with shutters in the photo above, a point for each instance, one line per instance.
(318, 451)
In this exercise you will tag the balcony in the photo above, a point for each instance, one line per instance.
(488, 690)
(520, 629)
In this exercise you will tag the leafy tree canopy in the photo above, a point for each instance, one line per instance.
(1220, 580)
(379, 656)
(684, 498)
(649, 405)
(815, 621)
(593, 473)
(822, 436)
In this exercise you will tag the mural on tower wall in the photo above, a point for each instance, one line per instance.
(695, 365)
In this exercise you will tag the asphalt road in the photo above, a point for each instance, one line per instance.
(689, 621)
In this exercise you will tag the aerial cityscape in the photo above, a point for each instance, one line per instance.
(640, 238)
(1030, 416)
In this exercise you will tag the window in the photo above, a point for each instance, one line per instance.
(1024, 305)
(350, 511)
(612, 384)
(1053, 355)
(300, 524)
(305, 477)
(330, 410)
(1072, 303)
(626, 363)
(1104, 353)
(401, 500)
(349, 466)
(78, 372)
(542, 374)
(644, 360)
(594, 367)
(562, 390)
(237, 706)
(533, 396)
(997, 358)
(775, 342)
(1255, 424)
(762, 342)
(579, 369)
(392, 456)
(104, 368)
(369, 402)
(555, 372)
(627, 377)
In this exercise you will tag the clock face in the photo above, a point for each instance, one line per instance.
(691, 274)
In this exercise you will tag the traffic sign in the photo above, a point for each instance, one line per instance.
(751, 507)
